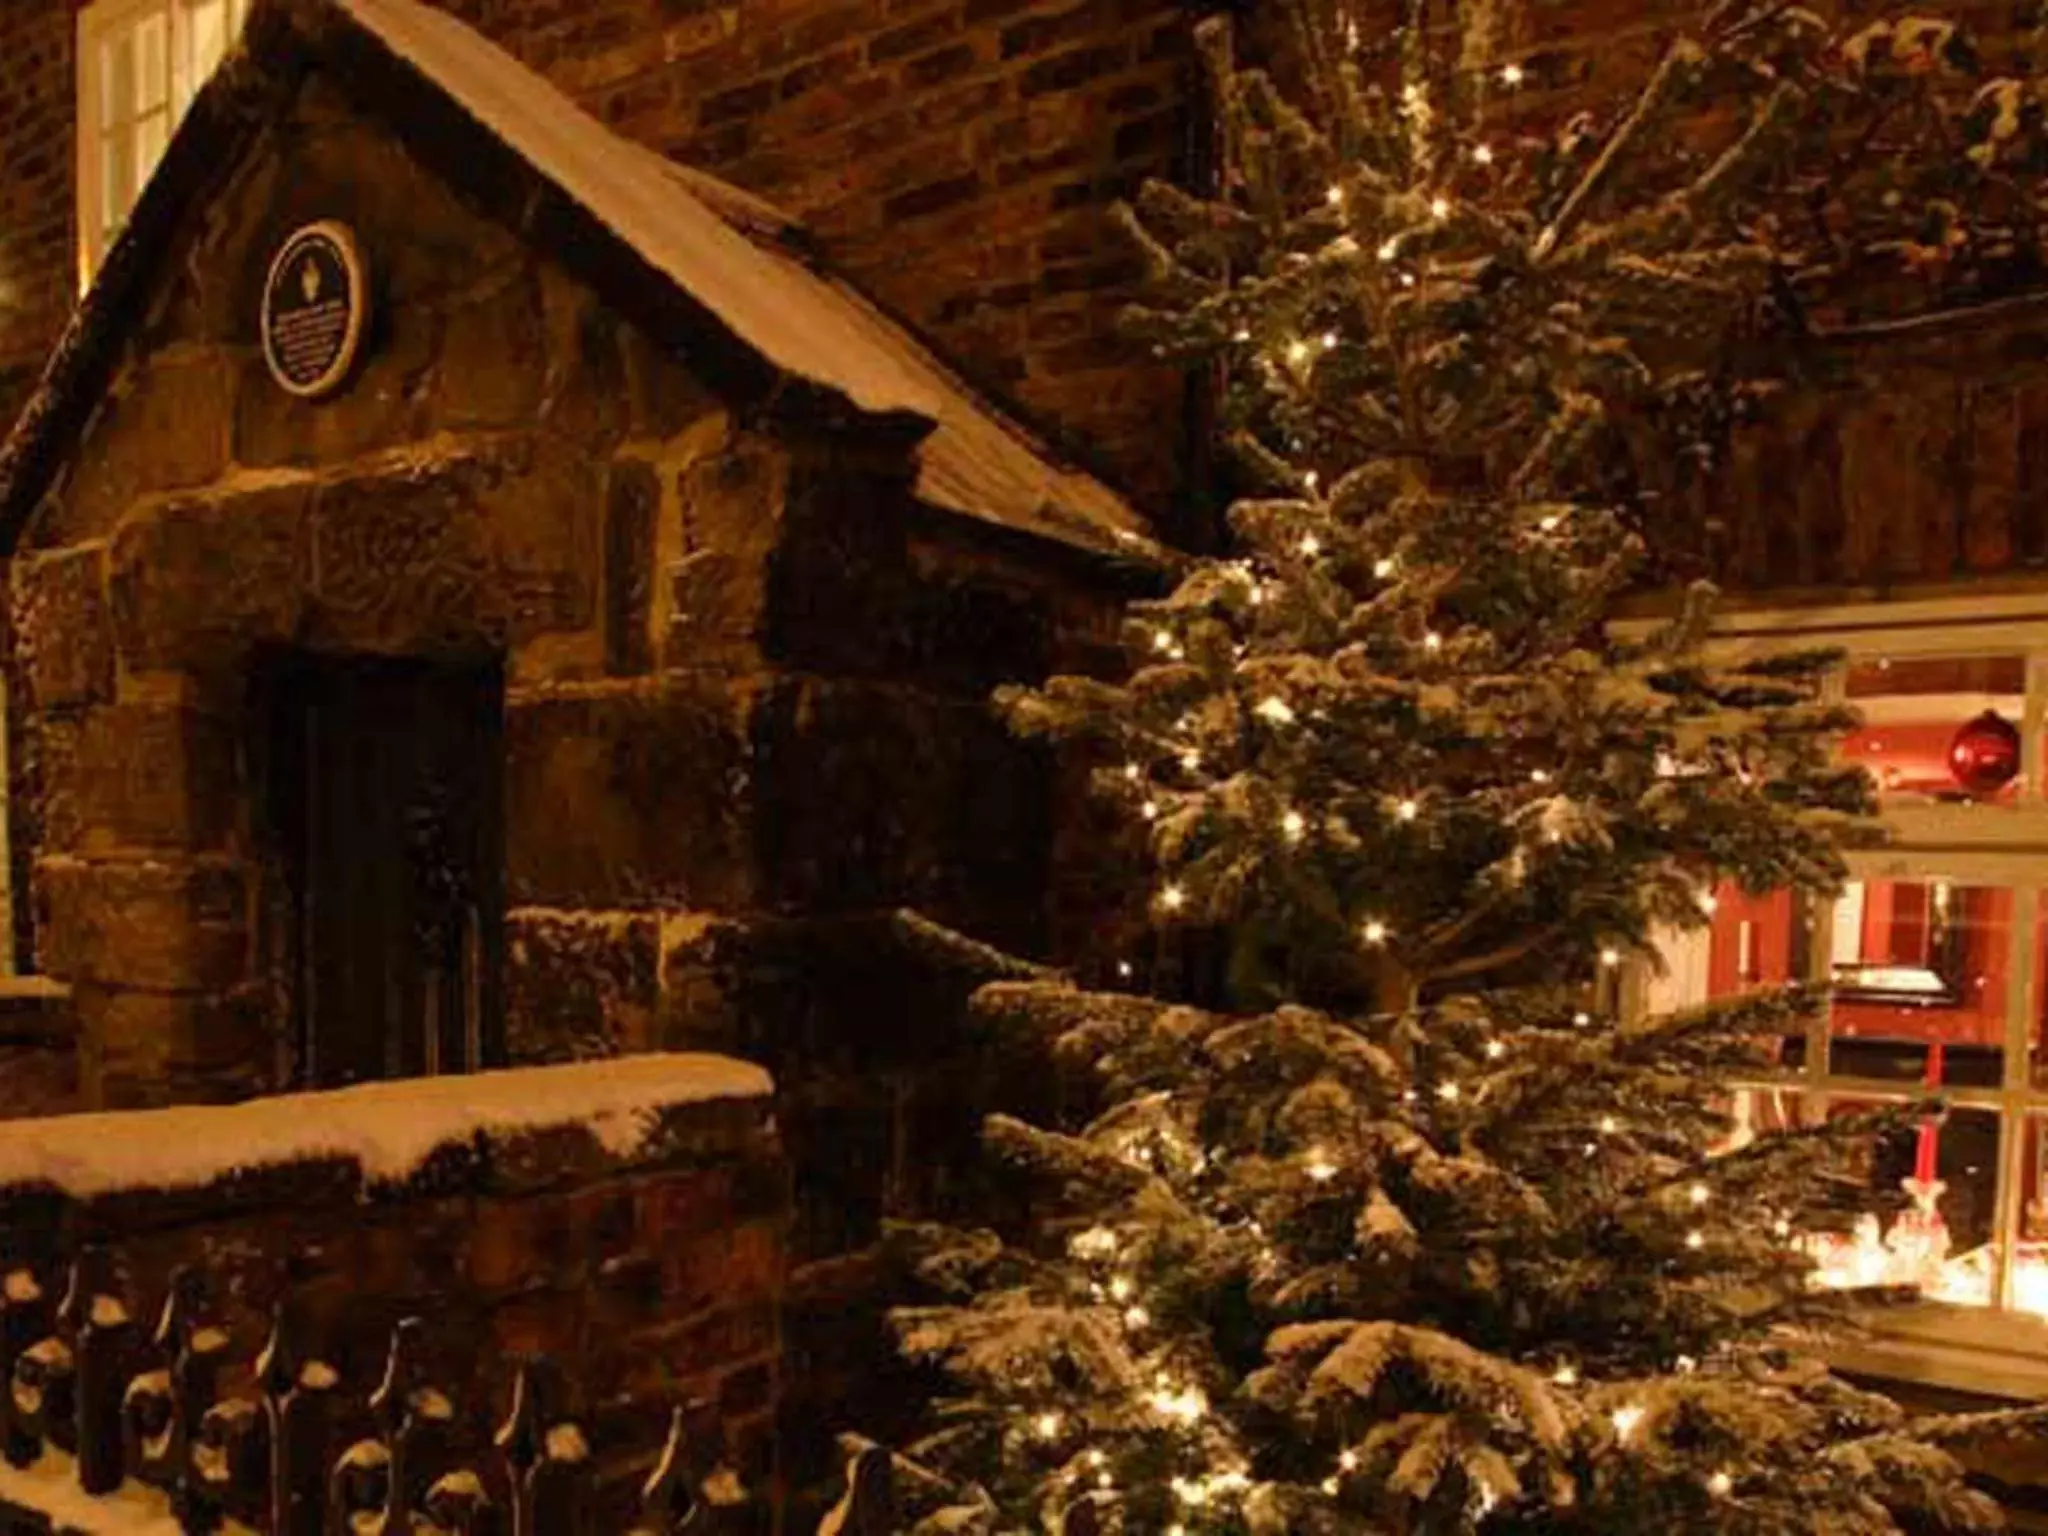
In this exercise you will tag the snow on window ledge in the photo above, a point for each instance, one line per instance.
(389, 1131)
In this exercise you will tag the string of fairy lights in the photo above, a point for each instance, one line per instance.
(1178, 1403)
(1181, 1404)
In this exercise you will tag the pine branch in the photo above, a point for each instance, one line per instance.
(1682, 55)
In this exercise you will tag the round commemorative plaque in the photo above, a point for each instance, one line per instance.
(314, 308)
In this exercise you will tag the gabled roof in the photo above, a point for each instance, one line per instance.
(675, 250)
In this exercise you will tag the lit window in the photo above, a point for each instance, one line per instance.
(1940, 728)
(140, 63)
(1935, 952)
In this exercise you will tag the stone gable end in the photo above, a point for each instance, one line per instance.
(711, 628)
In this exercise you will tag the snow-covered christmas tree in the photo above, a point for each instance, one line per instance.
(1412, 1229)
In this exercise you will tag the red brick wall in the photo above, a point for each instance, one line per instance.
(37, 193)
(956, 156)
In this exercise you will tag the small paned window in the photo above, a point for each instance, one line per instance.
(1934, 954)
(140, 63)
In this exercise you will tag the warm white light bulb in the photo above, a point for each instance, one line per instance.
(1336, 196)
(1495, 1050)
(1330, 340)
(1123, 969)
(1440, 208)
(1433, 641)
(1565, 1375)
(1095, 1243)
(1686, 1365)
(1407, 279)
(1173, 898)
(1310, 479)
(1120, 1288)
(1511, 74)
(1162, 640)
(1608, 1126)
(1483, 154)
(1320, 1169)
(1582, 1019)
(1149, 810)
(1407, 810)
(1294, 824)
(1048, 1425)
(1191, 759)
(1136, 1317)
(1538, 776)
(1610, 958)
(1549, 524)
(1389, 249)
(1448, 1092)
(1626, 1418)
(1330, 1486)
(1695, 1239)
(1383, 568)
(1699, 1194)
(1240, 335)
(1720, 1484)
(1310, 546)
(1375, 932)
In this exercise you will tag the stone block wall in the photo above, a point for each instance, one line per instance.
(746, 709)
(750, 674)
(747, 677)
(650, 1272)
(955, 156)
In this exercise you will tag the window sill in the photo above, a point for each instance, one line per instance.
(1972, 1350)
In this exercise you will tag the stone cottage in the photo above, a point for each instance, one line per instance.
(594, 666)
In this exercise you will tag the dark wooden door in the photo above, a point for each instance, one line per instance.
(388, 775)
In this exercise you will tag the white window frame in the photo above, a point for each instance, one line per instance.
(99, 23)
(1992, 1348)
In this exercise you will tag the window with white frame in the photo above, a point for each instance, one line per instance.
(140, 63)
(1936, 949)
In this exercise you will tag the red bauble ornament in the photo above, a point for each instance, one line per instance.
(1985, 755)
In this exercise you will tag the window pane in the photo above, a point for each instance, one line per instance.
(1920, 973)
(117, 179)
(151, 135)
(1914, 713)
(2030, 1257)
(152, 65)
(205, 40)
(117, 78)
(1941, 1243)
(1750, 942)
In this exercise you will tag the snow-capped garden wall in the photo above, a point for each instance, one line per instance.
(625, 1218)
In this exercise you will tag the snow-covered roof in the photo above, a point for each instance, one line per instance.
(727, 252)
(388, 1130)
